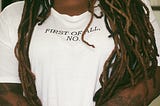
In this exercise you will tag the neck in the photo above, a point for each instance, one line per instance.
(71, 7)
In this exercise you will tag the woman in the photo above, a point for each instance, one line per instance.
(64, 47)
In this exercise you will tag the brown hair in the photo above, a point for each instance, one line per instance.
(132, 60)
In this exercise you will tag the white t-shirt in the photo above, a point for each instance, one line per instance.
(66, 69)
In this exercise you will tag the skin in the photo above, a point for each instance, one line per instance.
(71, 7)
(11, 95)
(133, 96)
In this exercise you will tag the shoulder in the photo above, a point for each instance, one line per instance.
(11, 15)
(13, 10)
(10, 18)
(14, 6)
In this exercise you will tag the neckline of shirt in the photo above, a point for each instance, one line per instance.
(72, 19)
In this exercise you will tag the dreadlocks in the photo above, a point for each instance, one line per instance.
(134, 56)
(132, 60)
(30, 18)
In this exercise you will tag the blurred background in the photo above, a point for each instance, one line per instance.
(155, 6)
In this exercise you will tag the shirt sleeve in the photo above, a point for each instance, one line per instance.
(8, 63)
(156, 27)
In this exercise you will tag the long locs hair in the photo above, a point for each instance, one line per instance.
(35, 11)
(133, 59)
(134, 56)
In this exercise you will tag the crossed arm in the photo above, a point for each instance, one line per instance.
(11, 94)
(135, 96)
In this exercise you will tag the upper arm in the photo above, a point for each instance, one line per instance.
(8, 62)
